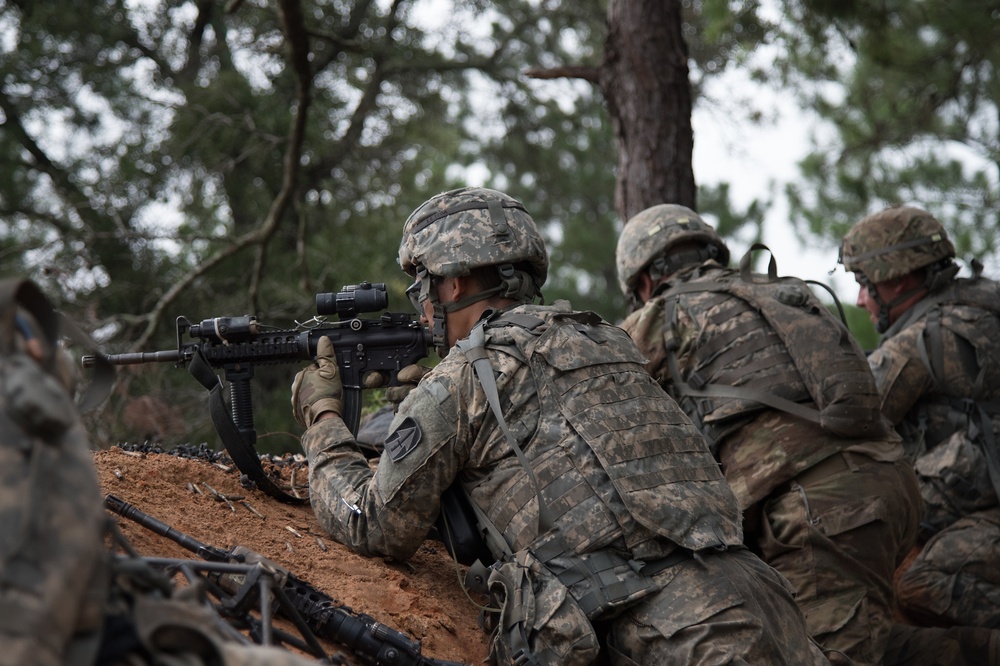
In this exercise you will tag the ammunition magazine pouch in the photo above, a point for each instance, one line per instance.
(547, 609)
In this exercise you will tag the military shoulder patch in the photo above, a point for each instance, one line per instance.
(403, 439)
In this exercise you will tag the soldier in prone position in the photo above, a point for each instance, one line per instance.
(785, 397)
(614, 532)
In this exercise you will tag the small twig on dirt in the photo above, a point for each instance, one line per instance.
(220, 496)
(135, 454)
(293, 531)
(253, 510)
(295, 493)
(322, 544)
(289, 547)
(224, 468)
(193, 487)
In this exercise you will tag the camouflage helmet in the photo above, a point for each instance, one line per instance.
(651, 233)
(455, 232)
(895, 242)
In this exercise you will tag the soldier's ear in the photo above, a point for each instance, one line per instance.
(452, 289)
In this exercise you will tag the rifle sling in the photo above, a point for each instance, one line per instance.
(243, 454)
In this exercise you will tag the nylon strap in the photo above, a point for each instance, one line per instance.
(242, 453)
(718, 391)
(474, 348)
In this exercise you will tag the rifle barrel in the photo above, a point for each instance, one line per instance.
(133, 513)
(134, 358)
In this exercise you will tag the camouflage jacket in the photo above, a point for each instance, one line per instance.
(53, 575)
(944, 347)
(619, 464)
(717, 338)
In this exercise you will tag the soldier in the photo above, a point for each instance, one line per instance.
(789, 407)
(938, 372)
(57, 601)
(613, 529)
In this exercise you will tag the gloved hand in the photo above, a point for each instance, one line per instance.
(318, 388)
(408, 379)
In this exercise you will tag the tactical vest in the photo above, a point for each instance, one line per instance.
(799, 354)
(967, 474)
(612, 452)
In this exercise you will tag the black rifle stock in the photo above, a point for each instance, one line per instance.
(383, 345)
(367, 639)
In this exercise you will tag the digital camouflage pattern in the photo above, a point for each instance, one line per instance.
(653, 232)
(834, 515)
(575, 397)
(460, 230)
(894, 242)
(956, 578)
(52, 559)
(930, 401)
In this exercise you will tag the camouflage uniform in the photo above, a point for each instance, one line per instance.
(834, 515)
(621, 472)
(936, 366)
(54, 570)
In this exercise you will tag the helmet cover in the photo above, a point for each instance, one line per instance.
(894, 242)
(653, 232)
(457, 231)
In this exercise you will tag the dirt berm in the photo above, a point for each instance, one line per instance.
(421, 597)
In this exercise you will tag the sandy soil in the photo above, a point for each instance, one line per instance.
(421, 597)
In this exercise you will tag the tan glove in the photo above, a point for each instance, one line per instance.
(318, 388)
(408, 379)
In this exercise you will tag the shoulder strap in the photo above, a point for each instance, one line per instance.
(243, 453)
(474, 348)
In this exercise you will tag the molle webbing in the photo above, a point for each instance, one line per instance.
(975, 293)
(590, 375)
(803, 354)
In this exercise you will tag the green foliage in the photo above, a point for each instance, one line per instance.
(862, 327)
(195, 158)
(912, 92)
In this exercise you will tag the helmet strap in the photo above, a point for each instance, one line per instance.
(885, 309)
(514, 285)
(669, 263)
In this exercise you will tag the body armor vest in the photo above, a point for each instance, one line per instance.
(965, 398)
(769, 342)
(615, 458)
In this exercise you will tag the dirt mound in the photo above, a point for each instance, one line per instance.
(422, 597)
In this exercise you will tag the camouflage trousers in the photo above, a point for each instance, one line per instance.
(956, 577)
(720, 608)
(837, 533)
(936, 646)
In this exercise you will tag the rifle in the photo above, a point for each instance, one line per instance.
(362, 346)
(239, 573)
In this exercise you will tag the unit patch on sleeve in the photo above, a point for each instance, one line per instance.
(403, 439)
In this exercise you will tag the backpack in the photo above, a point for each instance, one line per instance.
(828, 361)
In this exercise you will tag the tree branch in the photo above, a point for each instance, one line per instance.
(586, 73)
(297, 43)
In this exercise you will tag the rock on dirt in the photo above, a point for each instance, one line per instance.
(421, 597)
